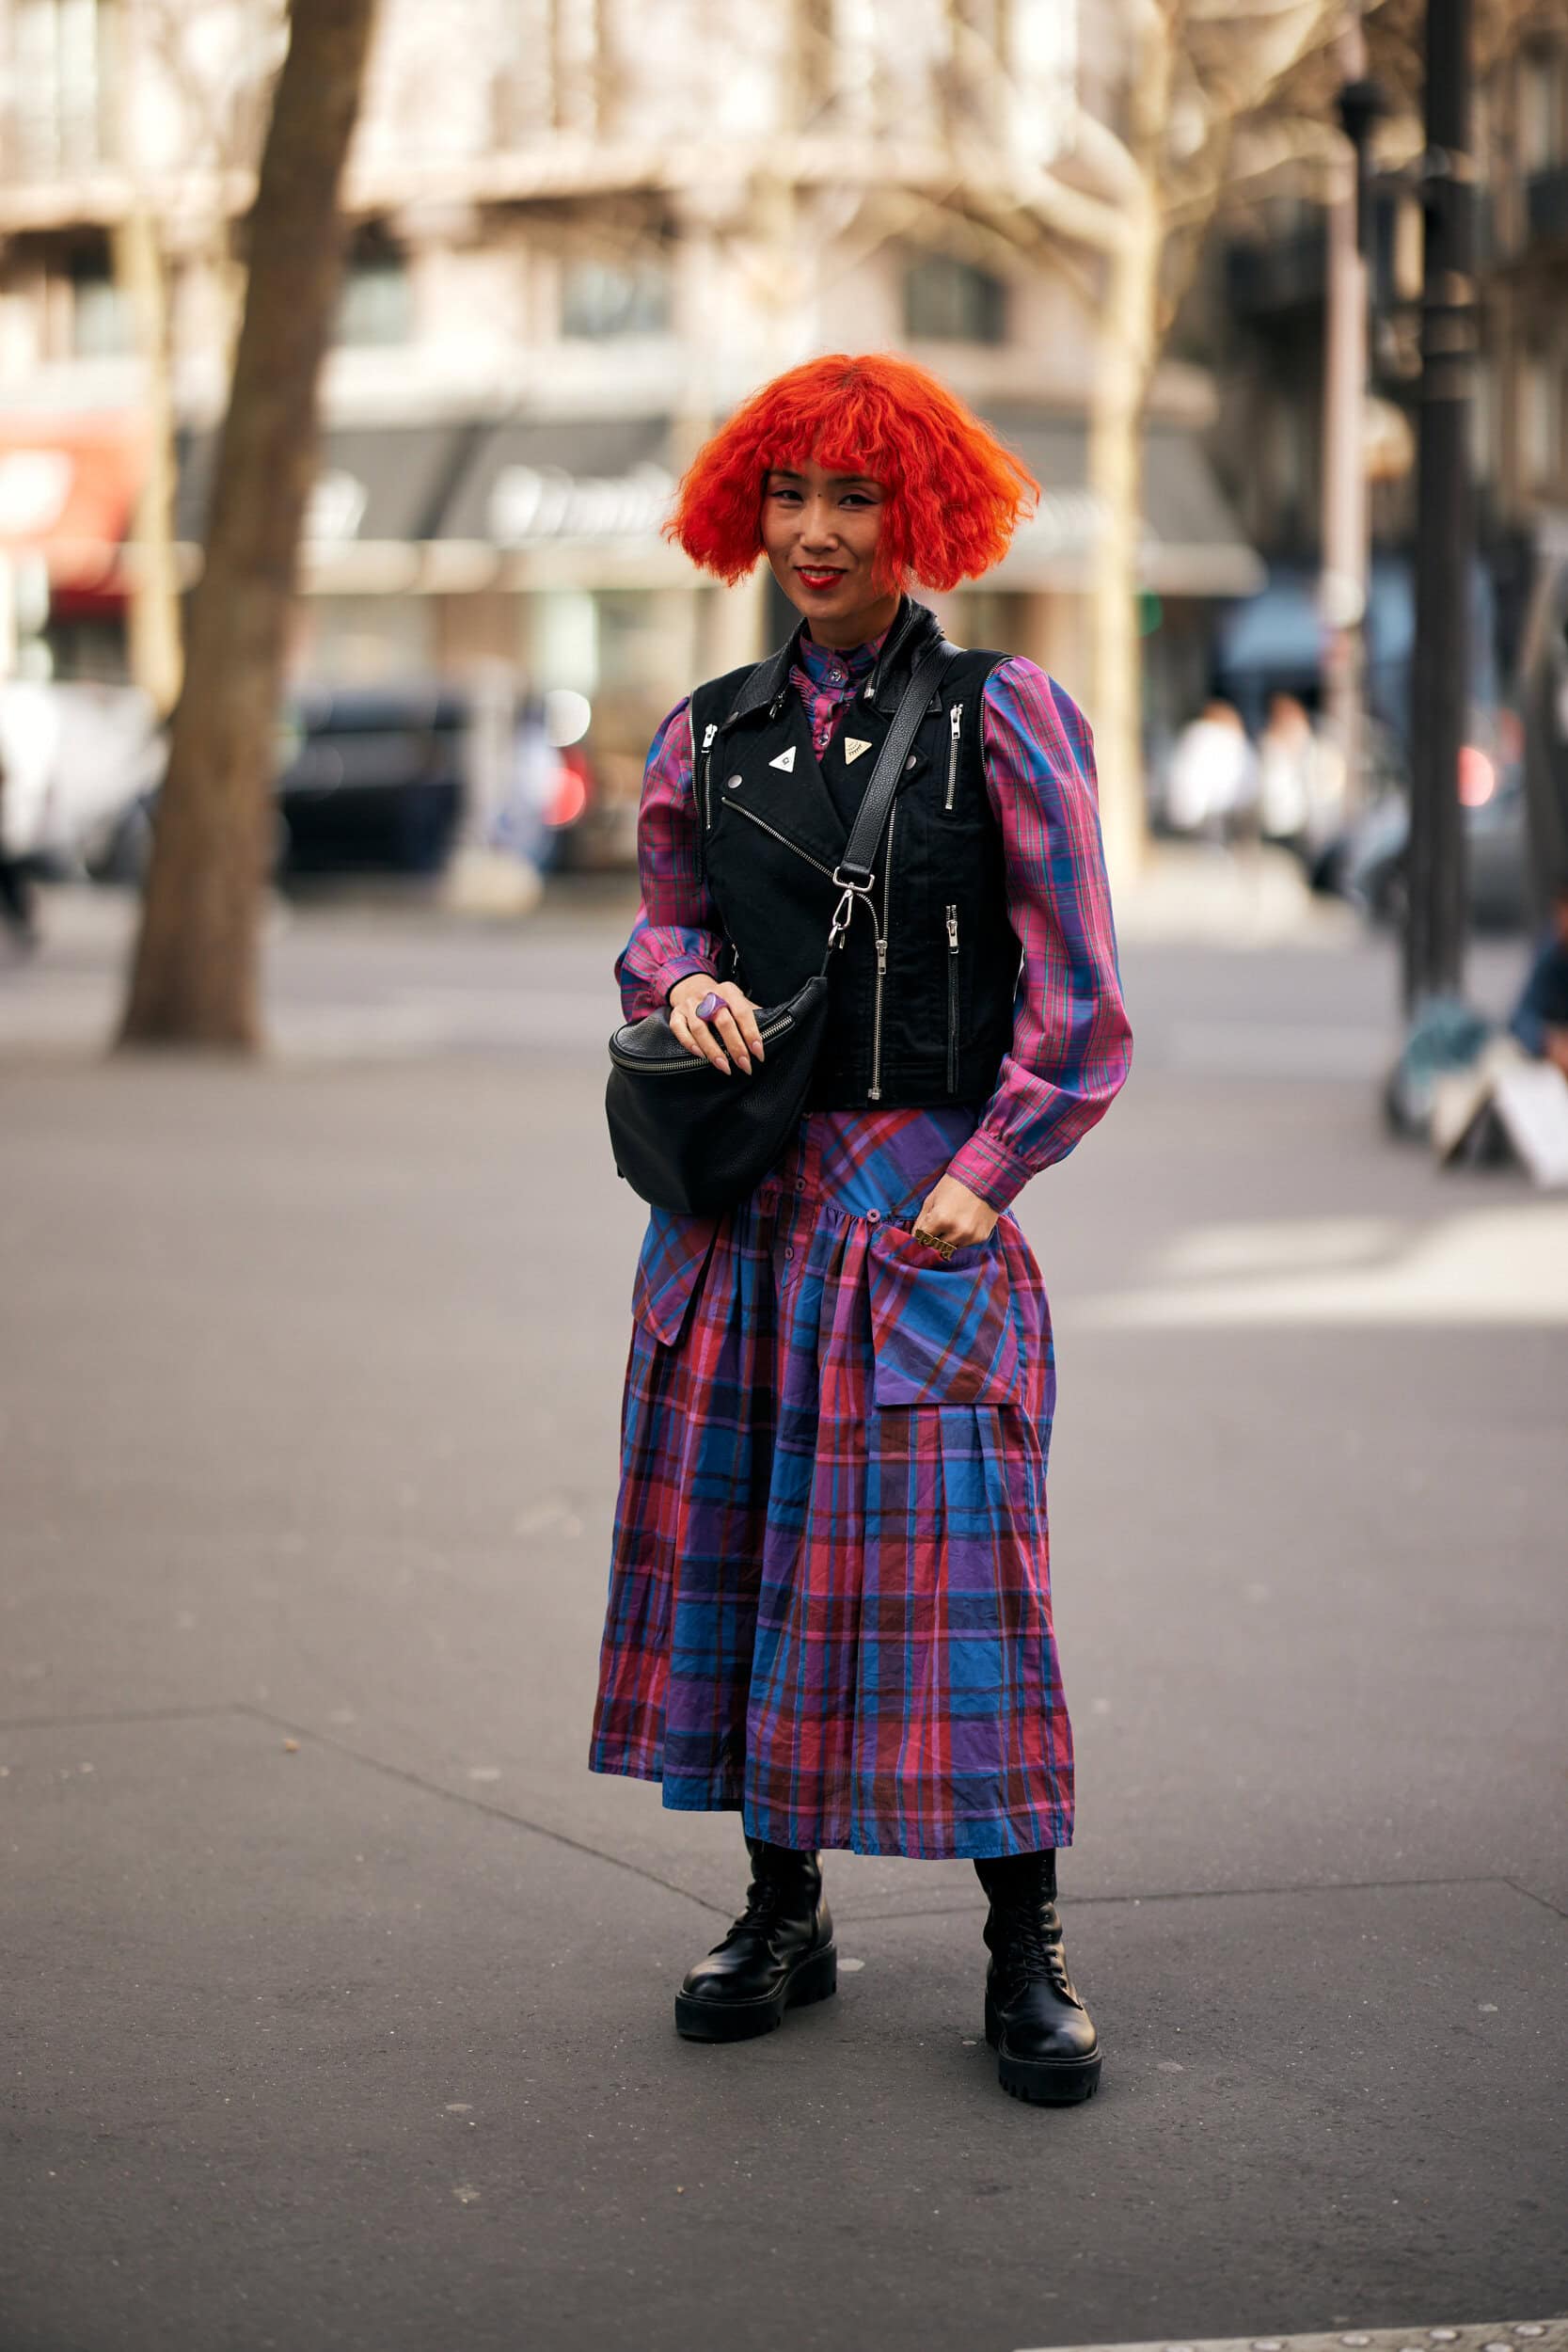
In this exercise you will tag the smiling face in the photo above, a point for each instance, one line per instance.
(819, 532)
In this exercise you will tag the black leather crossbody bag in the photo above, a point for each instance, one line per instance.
(685, 1136)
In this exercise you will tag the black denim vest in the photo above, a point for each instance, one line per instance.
(922, 991)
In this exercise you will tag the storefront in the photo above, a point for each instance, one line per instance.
(68, 488)
(527, 554)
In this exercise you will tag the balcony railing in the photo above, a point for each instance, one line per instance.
(1288, 274)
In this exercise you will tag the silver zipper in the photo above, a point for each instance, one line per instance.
(741, 810)
(671, 1065)
(876, 1090)
(952, 1000)
(955, 717)
(708, 733)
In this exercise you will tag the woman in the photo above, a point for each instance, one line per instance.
(830, 1603)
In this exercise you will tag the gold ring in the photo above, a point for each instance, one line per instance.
(939, 1241)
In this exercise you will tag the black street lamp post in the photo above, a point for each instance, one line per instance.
(1440, 681)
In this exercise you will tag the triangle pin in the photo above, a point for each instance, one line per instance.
(852, 749)
(785, 761)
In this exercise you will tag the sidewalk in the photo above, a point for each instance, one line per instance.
(337, 1992)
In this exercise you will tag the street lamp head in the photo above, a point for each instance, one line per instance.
(1361, 104)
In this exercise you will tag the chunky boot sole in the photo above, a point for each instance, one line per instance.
(814, 1980)
(1044, 2082)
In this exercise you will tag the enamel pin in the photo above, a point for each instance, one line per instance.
(785, 761)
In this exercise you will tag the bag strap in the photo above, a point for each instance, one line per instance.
(854, 874)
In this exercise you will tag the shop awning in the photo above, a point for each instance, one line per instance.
(405, 506)
(375, 484)
(67, 487)
(540, 481)
(1192, 544)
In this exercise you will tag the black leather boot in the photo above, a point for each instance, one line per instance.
(1047, 2050)
(779, 1953)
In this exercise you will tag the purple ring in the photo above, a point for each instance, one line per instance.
(709, 1005)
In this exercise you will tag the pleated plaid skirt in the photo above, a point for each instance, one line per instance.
(830, 1601)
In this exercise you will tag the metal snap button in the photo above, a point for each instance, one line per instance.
(789, 1253)
(912, 761)
(873, 1216)
(799, 1184)
(730, 783)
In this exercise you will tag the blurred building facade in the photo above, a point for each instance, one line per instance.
(574, 249)
(1265, 313)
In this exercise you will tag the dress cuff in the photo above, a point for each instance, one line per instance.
(990, 1170)
(678, 968)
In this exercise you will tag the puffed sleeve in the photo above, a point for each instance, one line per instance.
(1071, 1044)
(678, 928)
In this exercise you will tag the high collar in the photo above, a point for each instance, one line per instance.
(829, 664)
(911, 630)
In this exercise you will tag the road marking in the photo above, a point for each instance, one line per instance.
(1501, 1265)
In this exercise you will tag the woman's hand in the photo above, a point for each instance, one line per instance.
(954, 1213)
(732, 1033)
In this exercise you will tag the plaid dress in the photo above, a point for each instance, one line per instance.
(830, 1601)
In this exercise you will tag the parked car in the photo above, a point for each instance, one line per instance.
(368, 778)
(371, 777)
(376, 779)
(1370, 857)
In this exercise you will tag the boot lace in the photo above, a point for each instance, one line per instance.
(1037, 1952)
(763, 1900)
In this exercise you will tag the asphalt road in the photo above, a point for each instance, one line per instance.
(337, 1993)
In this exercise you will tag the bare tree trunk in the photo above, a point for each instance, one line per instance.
(1127, 349)
(195, 980)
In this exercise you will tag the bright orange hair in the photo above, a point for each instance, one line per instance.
(954, 495)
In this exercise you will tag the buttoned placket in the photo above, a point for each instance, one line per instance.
(799, 1183)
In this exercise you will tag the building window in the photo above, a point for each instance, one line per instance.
(1541, 420)
(375, 306)
(603, 299)
(1542, 139)
(1483, 394)
(949, 301)
(102, 326)
(62, 56)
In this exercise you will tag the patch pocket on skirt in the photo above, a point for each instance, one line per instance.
(674, 1255)
(941, 1332)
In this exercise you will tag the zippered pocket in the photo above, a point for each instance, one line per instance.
(708, 733)
(954, 725)
(953, 999)
(741, 810)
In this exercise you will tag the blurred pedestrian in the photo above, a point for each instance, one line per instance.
(1284, 765)
(1540, 1019)
(1211, 787)
(16, 882)
(1301, 780)
(829, 1602)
